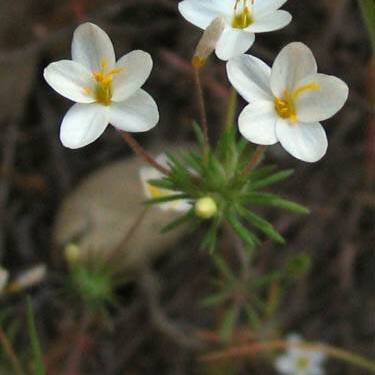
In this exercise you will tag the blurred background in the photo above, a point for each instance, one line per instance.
(334, 302)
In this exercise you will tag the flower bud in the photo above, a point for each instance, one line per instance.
(207, 43)
(205, 208)
(72, 253)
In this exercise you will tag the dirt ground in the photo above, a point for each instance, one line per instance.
(334, 303)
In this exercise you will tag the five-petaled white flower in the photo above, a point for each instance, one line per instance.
(297, 361)
(243, 19)
(149, 173)
(288, 101)
(105, 91)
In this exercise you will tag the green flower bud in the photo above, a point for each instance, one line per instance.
(205, 208)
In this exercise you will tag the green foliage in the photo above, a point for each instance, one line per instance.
(38, 364)
(368, 13)
(298, 266)
(221, 175)
(92, 283)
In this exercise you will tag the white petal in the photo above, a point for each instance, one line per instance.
(293, 63)
(257, 123)
(233, 42)
(321, 104)
(305, 141)
(266, 6)
(70, 79)
(135, 69)
(83, 124)
(138, 113)
(317, 357)
(270, 22)
(285, 365)
(92, 47)
(201, 12)
(250, 76)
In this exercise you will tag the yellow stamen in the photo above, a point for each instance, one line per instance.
(103, 78)
(303, 363)
(285, 106)
(242, 19)
(155, 192)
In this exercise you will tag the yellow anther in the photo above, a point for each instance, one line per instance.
(103, 90)
(285, 106)
(242, 19)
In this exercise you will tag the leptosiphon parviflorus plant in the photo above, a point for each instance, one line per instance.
(217, 187)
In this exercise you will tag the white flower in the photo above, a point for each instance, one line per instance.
(288, 101)
(298, 361)
(149, 173)
(106, 91)
(4, 276)
(243, 19)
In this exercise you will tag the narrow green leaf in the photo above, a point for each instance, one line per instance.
(166, 198)
(368, 13)
(263, 225)
(223, 268)
(214, 300)
(198, 134)
(274, 200)
(229, 322)
(177, 222)
(270, 180)
(248, 237)
(38, 363)
(163, 183)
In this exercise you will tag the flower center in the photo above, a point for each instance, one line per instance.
(242, 17)
(285, 106)
(103, 88)
(302, 363)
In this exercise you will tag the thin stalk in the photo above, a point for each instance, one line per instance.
(257, 155)
(129, 234)
(255, 348)
(231, 109)
(8, 349)
(201, 106)
(142, 153)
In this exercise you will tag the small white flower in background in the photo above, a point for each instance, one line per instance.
(29, 278)
(288, 101)
(105, 91)
(149, 173)
(297, 361)
(243, 18)
(4, 276)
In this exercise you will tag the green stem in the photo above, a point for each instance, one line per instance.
(368, 13)
(8, 349)
(231, 109)
(202, 107)
(255, 159)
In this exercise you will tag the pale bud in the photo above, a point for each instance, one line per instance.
(72, 253)
(205, 208)
(207, 43)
